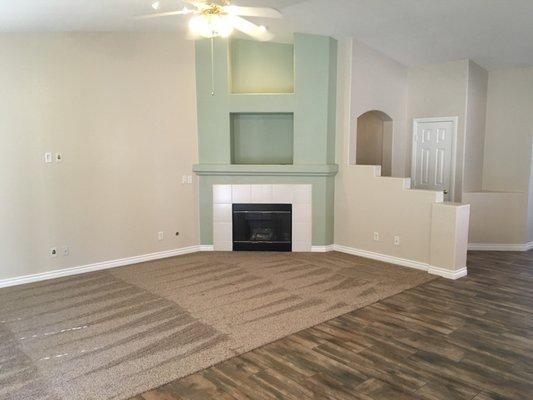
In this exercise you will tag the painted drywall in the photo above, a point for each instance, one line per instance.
(440, 90)
(120, 109)
(476, 108)
(365, 202)
(376, 82)
(509, 130)
(261, 67)
(506, 217)
(313, 105)
(530, 200)
(497, 217)
(369, 145)
(374, 141)
(262, 138)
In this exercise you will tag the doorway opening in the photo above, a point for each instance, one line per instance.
(374, 140)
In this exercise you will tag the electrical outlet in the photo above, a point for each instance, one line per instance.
(376, 236)
(53, 252)
(189, 179)
(184, 179)
(396, 240)
(160, 236)
(65, 251)
(47, 158)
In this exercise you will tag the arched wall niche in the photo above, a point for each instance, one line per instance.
(373, 144)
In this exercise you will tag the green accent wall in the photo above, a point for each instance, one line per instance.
(261, 67)
(311, 105)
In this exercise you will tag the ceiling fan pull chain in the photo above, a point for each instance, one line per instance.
(212, 66)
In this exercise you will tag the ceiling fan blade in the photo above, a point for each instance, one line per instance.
(198, 4)
(264, 12)
(166, 14)
(251, 29)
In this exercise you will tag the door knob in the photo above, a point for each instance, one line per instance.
(445, 191)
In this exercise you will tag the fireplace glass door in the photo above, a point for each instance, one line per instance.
(262, 227)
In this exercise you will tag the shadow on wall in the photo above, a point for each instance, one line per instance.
(374, 141)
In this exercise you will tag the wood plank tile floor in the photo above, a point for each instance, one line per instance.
(465, 339)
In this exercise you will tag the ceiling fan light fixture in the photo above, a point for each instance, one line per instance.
(211, 25)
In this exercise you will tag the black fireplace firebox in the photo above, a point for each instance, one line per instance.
(262, 227)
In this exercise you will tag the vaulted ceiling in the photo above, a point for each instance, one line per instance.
(494, 33)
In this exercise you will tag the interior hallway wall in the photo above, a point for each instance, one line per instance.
(509, 130)
(476, 113)
(440, 90)
(120, 107)
(377, 83)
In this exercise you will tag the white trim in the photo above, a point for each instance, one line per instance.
(382, 257)
(455, 122)
(20, 280)
(445, 273)
(58, 273)
(322, 249)
(448, 274)
(500, 247)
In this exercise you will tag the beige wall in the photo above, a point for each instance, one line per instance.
(369, 145)
(365, 202)
(496, 217)
(440, 90)
(509, 130)
(374, 141)
(121, 110)
(476, 108)
(507, 216)
(375, 82)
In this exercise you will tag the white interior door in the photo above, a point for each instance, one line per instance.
(433, 147)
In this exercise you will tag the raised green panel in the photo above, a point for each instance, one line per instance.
(323, 192)
(261, 67)
(315, 87)
(262, 138)
(313, 106)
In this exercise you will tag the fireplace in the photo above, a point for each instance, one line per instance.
(262, 227)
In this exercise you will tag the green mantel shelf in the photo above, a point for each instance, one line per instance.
(265, 170)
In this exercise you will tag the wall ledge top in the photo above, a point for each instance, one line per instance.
(266, 170)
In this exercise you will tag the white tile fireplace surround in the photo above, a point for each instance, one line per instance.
(300, 196)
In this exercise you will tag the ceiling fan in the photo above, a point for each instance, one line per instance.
(219, 18)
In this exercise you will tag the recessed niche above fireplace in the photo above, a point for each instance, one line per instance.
(261, 67)
(262, 138)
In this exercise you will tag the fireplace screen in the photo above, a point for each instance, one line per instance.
(262, 227)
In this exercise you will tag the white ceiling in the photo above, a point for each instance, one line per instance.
(494, 33)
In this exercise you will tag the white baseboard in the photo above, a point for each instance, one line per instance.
(322, 249)
(193, 249)
(97, 266)
(382, 257)
(500, 247)
(445, 273)
(206, 247)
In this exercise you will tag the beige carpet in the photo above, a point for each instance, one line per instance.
(116, 333)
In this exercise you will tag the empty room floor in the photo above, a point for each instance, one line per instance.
(465, 339)
(113, 334)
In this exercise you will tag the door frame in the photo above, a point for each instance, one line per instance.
(454, 121)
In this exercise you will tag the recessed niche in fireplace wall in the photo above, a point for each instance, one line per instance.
(261, 67)
(262, 138)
